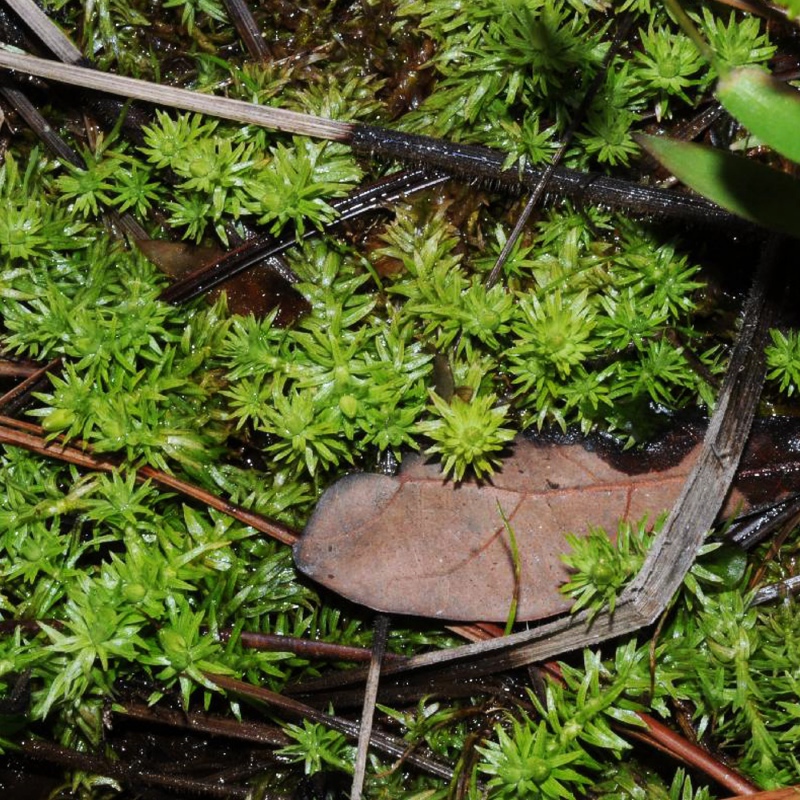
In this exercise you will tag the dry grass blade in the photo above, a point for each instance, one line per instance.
(370, 696)
(224, 107)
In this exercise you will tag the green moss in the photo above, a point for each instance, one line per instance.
(596, 322)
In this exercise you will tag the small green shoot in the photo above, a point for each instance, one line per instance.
(512, 542)
(764, 105)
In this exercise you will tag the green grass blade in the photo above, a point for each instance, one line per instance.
(743, 187)
(767, 107)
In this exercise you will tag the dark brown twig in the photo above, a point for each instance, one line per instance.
(380, 741)
(205, 723)
(248, 31)
(9, 401)
(467, 161)
(52, 753)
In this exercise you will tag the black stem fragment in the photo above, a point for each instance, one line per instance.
(474, 162)
(255, 250)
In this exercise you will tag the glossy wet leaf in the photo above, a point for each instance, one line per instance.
(767, 107)
(743, 187)
(727, 563)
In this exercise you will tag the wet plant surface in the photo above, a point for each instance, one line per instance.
(153, 645)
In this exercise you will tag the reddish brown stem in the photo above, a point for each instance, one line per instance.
(668, 741)
(33, 375)
(72, 759)
(31, 437)
(789, 793)
(16, 369)
(308, 648)
(196, 721)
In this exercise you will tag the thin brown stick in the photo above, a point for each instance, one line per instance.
(307, 648)
(22, 388)
(31, 437)
(17, 369)
(205, 723)
(380, 741)
(49, 752)
(694, 756)
(790, 793)
(758, 8)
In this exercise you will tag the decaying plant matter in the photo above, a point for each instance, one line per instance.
(162, 451)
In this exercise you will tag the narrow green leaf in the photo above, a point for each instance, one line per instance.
(766, 106)
(743, 187)
(792, 7)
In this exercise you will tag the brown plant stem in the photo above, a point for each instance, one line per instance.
(41, 750)
(31, 437)
(10, 400)
(205, 723)
(306, 648)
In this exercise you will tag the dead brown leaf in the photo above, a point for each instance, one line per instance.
(420, 544)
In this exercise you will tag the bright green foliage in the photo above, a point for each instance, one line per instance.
(443, 728)
(625, 783)
(318, 748)
(670, 64)
(591, 324)
(225, 176)
(738, 43)
(602, 569)
(526, 765)
(555, 757)
(467, 434)
(783, 360)
(335, 382)
(792, 6)
(191, 8)
(30, 227)
(733, 649)
(88, 188)
(522, 55)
